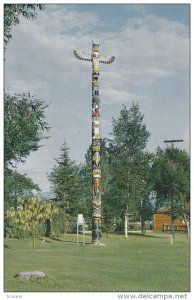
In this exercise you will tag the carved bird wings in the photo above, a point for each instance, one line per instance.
(83, 55)
(107, 59)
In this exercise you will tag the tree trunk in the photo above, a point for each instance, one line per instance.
(33, 237)
(188, 229)
(172, 231)
(126, 225)
(187, 225)
(48, 228)
(143, 227)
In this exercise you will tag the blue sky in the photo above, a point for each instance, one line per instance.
(175, 12)
(151, 45)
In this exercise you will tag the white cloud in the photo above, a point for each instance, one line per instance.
(137, 8)
(111, 96)
(152, 60)
(147, 49)
(63, 21)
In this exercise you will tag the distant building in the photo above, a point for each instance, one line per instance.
(162, 221)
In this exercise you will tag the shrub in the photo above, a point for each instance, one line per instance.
(61, 223)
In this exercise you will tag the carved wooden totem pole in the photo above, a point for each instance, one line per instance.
(96, 59)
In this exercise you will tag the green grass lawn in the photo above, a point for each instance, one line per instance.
(136, 264)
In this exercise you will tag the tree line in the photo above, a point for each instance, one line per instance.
(135, 182)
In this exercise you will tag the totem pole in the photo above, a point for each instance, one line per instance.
(96, 168)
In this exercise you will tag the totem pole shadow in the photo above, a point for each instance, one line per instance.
(69, 241)
(142, 235)
(136, 234)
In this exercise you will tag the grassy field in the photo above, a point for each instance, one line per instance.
(136, 264)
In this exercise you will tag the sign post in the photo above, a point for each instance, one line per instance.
(80, 222)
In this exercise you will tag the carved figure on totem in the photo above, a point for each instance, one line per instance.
(95, 100)
(96, 185)
(95, 66)
(94, 77)
(96, 143)
(95, 54)
(97, 212)
(96, 204)
(95, 73)
(96, 197)
(96, 125)
(96, 111)
(95, 147)
(95, 130)
(96, 158)
(95, 80)
(95, 118)
(95, 45)
(95, 90)
(96, 172)
(96, 62)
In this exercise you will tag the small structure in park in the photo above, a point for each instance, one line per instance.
(80, 222)
(162, 221)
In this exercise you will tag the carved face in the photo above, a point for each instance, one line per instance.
(95, 54)
(96, 172)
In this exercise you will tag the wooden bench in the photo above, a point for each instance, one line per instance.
(181, 228)
(167, 227)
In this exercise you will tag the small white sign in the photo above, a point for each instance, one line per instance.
(80, 219)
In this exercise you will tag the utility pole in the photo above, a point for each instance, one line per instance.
(96, 167)
(172, 142)
(172, 218)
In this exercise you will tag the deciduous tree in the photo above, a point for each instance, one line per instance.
(12, 14)
(171, 173)
(24, 126)
(24, 115)
(128, 180)
(30, 213)
(16, 185)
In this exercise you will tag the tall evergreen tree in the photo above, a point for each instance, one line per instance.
(65, 182)
(85, 172)
(128, 185)
(129, 132)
